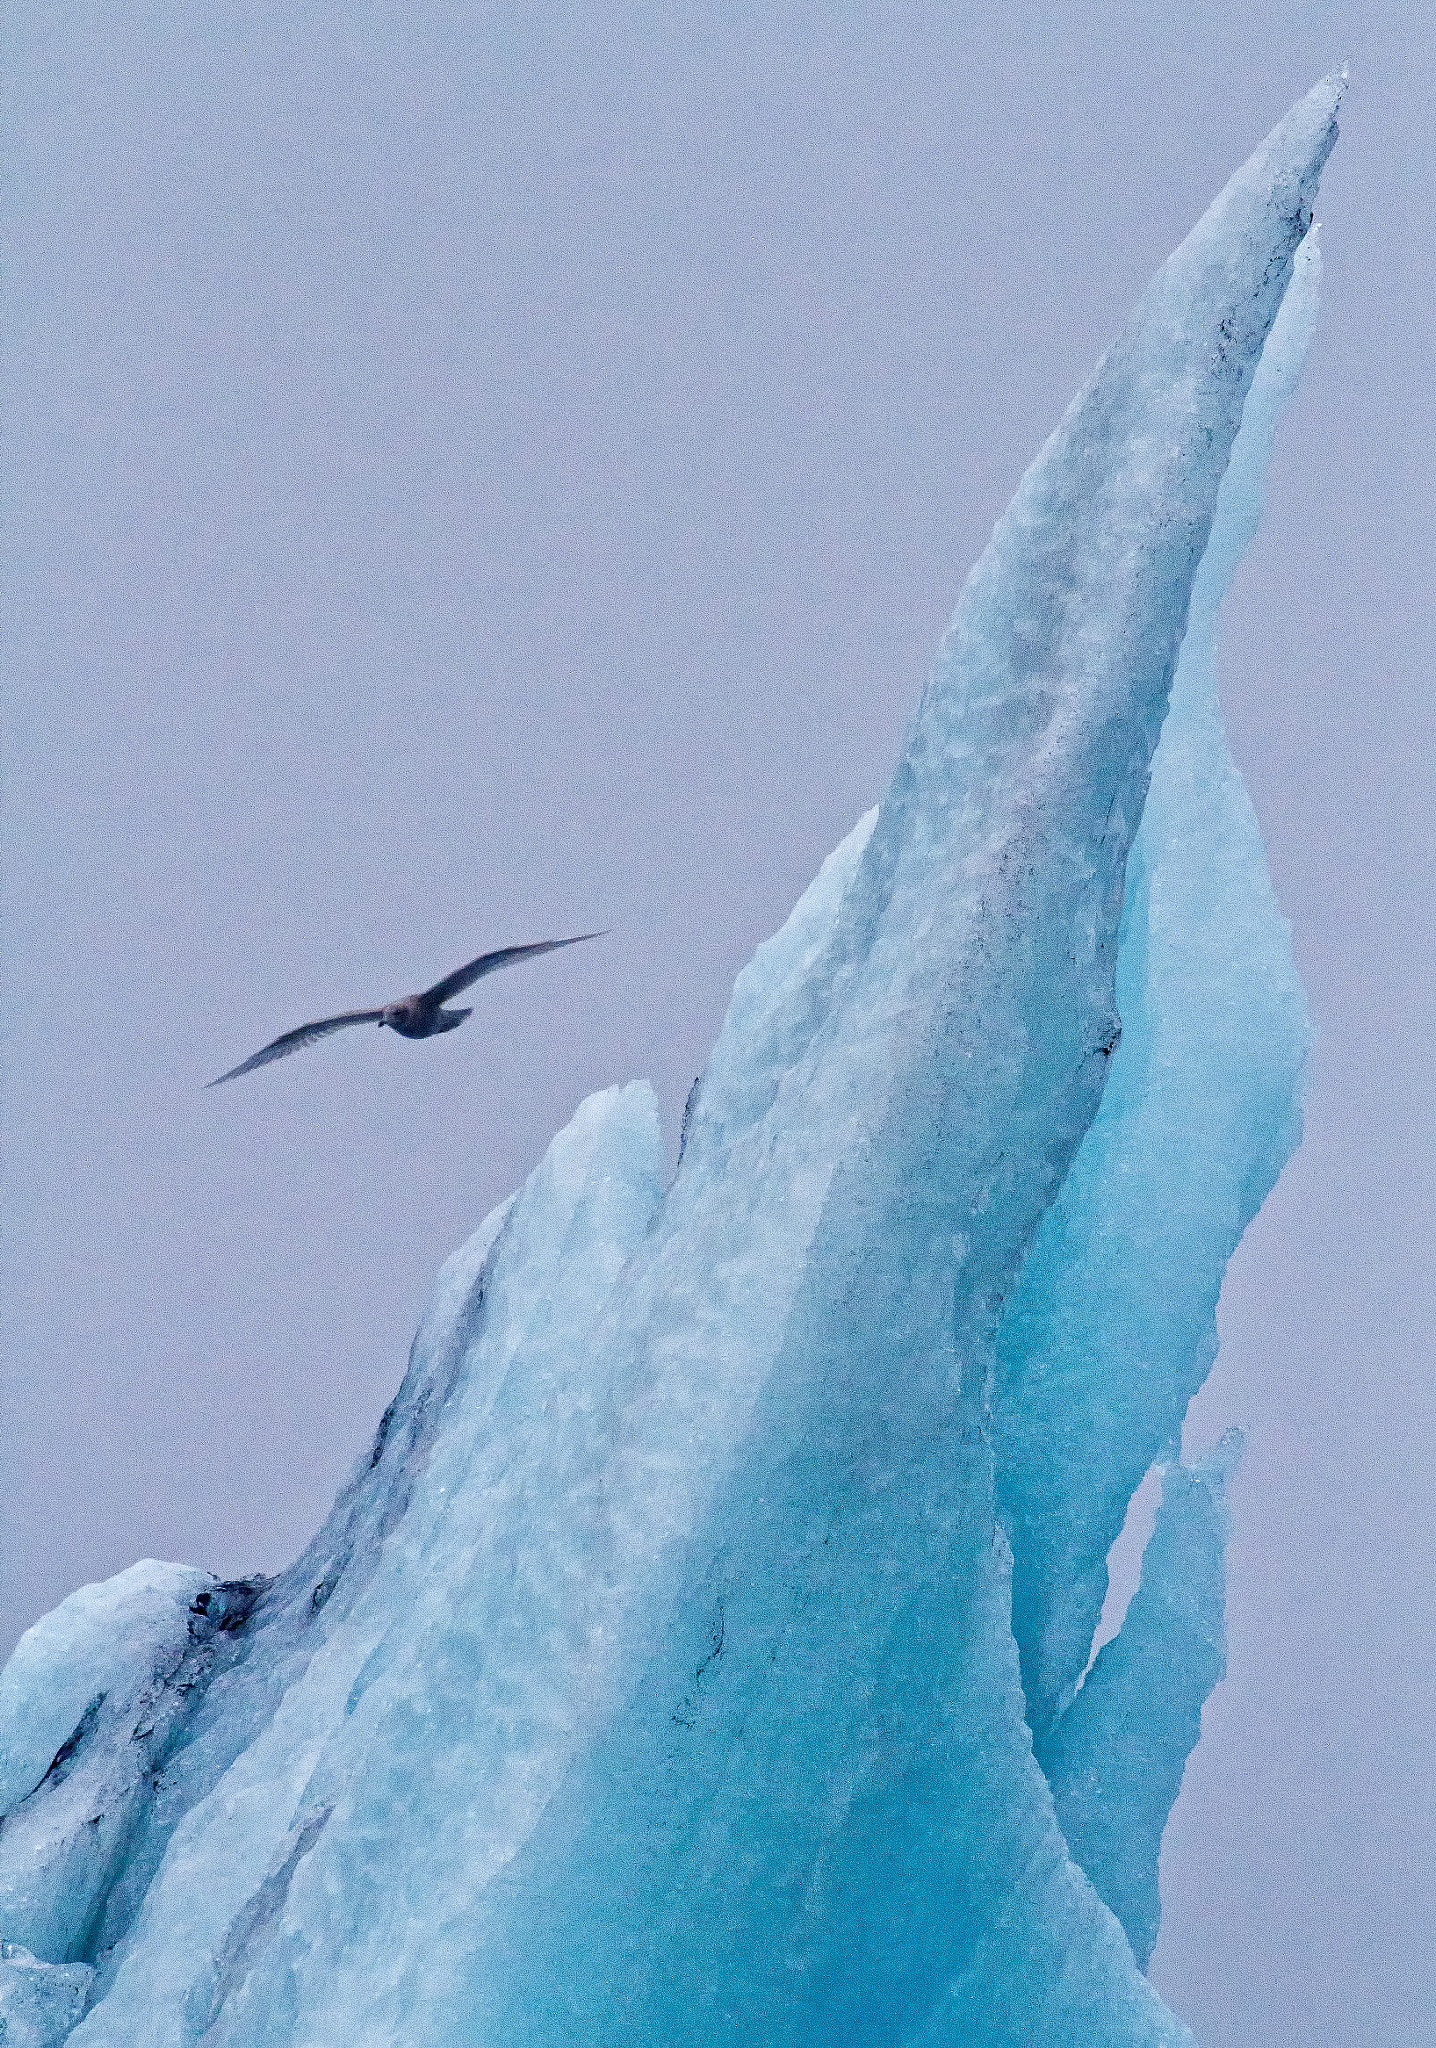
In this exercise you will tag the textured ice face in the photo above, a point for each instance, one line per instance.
(102, 1640)
(655, 1679)
(86, 1703)
(40, 2003)
(1112, 1326)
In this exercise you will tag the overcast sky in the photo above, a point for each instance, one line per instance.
(473, 473)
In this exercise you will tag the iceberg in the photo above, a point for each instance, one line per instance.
(701, 1652)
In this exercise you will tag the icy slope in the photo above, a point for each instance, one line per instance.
(655, 1679)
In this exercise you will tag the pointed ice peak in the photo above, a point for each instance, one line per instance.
(664, 1688)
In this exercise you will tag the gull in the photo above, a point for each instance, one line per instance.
(418, 1016)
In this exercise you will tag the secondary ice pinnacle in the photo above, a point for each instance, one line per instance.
(416, 1016)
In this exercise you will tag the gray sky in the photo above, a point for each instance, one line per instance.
(472, 473)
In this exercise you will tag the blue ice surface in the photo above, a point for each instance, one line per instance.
(39, 2002)
(654, 1679)
(102, 1641)
(1114, 1766)
(1201, 1110)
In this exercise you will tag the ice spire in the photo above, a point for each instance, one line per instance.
(654, 1680)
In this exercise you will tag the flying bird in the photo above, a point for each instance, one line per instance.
(419, 1016)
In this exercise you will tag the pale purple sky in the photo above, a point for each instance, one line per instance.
(472, 473)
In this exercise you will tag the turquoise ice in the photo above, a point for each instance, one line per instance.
(699, 1654)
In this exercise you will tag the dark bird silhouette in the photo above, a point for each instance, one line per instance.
(419, 1016)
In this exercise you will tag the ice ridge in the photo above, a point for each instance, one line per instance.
(655, 1677)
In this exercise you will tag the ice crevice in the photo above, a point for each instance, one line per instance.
(695, 1656)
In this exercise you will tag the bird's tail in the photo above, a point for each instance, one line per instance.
(450, 1020)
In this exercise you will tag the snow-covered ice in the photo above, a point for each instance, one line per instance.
(696, 1656)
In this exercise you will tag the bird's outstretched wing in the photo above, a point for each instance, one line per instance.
(490, 963)
(293, 1040)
